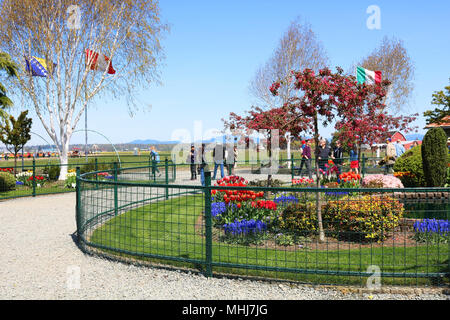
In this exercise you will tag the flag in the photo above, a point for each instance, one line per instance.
(99, 61)
(371, 77)
(38, 67)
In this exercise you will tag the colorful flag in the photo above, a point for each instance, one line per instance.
(371, 77)
(99, 61)
(38, 67)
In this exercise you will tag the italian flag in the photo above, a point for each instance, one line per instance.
(371, 77)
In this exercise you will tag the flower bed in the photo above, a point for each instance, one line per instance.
(244, 213)
(381, 181)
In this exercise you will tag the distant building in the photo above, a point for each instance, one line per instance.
(395, 136)
(445, 124)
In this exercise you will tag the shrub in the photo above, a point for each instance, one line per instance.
(90, 166)
(7, 181)
(447, 183)
(52, 172)
(263, 183)
(434, 157)
(381, 181)
(368, 218)
(411, 162)
(299, 217)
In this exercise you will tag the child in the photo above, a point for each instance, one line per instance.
(354, 163)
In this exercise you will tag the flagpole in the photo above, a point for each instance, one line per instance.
(85, 125)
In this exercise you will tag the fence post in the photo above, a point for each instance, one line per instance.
(174, 171)
(96, 175)
(115, 190)
(154, 170)
(166, 165)
(34, 177)
(78, 201)
(174, 168)
(208, 224)
(292, 167)
(149, 168)
(363, 169)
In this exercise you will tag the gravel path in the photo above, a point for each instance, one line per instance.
(39, 260)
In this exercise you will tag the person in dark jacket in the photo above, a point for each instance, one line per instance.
(323, 152)
(202, 163)
(306, 158)
(219, 157)
(191, 158)
(337, 156)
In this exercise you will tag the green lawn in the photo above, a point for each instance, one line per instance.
(28, 191)
(167, 228)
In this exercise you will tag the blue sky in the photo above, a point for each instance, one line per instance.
(214, 48)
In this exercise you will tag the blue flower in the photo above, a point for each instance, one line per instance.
(335, 194)
(440, 227)
(244, 227)
(217, 208)
(19, 183)
(286, 199)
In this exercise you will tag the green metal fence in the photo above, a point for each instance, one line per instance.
(41, 178)
(269, 232)
(155, 171)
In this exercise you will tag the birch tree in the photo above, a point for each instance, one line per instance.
(298, 49)
(392, 59)
(125, 35)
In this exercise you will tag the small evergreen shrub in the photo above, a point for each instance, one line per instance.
(90, 166)
(52, 172)
(410, 164)
(7, 181)
(434, 157)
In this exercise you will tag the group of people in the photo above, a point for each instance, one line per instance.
(393, 152)
(222, 154)
(336, 154)
(324, 153)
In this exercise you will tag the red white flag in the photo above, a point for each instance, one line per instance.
(98, 61)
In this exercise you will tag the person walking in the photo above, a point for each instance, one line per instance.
(323, 152)
(337, 156)
(202, 163)
(235, 157)
(218, 156)
(390, 156)
(306, 157)
(154, 155)
(302, 163)
(191, 160)
(354, 162)
(399, 149)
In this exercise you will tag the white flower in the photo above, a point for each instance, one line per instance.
(74, 185)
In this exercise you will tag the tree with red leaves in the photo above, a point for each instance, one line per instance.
(323, 97)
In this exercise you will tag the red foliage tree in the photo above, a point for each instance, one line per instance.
(323, 97)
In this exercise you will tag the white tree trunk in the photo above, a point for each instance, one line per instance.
(289, 150)
(64, 159)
